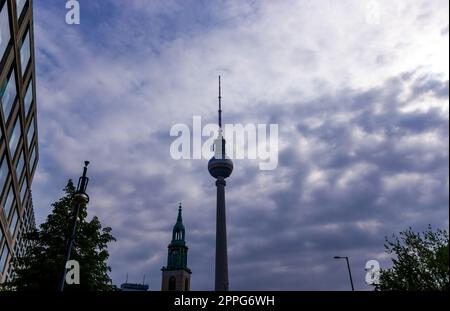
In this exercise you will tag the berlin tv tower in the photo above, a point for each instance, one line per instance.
(220, 167)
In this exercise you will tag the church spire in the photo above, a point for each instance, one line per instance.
(178, 232)
(180, 217)
(176, 274)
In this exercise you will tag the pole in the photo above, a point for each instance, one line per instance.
(70, 244)
(221, 282)
(350, 273)
(79, 197)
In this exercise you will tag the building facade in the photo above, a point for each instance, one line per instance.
(176, 275)
(18, 129)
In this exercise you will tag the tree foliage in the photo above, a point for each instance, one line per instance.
(43, 264)
(420, 262)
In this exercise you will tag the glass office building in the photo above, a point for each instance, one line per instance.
(18, 132)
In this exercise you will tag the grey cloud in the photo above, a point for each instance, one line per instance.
(354, 166)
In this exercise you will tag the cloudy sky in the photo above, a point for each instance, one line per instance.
(359, 90)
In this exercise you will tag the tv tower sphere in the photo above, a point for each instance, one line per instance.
(220, 167)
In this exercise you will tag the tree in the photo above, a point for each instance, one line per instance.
(420, 263)
(42, 266)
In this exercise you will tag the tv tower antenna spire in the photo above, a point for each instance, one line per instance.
(220, 105)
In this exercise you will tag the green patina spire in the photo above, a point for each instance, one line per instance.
(177, 249)
(178, 232)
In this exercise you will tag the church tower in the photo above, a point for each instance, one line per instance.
(176, 275)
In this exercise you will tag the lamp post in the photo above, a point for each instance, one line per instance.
(79, 197)
(349, 271)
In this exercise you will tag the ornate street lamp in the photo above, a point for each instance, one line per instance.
(79, 197)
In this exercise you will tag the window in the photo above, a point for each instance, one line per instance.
(172, 283)
(1, 236)
(5, 33)
(3, 256)
(28, 98)
(17, 243)
(8, 93)
(3, 172)
(32, 158)
(9, 201)
(20, 166)
(23, 190)
(20, 5)
(25, 53)
(10, 270)
(14, 138)
(30, 133)
(14, 222)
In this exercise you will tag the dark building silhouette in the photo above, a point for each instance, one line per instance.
(18, 129)
(133, 287)
(220, 167)
(176, 275)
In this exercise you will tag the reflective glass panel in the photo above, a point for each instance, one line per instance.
(5, 33)
(28, 98)
(14, 138)
(20, 5)
(8, 92)
(25, 53)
